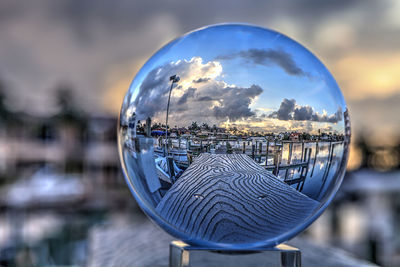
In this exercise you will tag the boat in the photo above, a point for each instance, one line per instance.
(180, 156)
(162, 169)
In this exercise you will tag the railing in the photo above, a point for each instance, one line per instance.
(263, 151)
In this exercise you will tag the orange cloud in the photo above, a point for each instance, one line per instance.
(117, 82)
(368, 75)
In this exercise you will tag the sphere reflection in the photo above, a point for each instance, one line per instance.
(233, 136)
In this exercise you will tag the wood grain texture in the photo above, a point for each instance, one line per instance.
(229, 198)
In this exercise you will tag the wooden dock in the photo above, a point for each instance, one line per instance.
(230, 198)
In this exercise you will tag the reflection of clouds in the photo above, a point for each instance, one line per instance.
(198, 94)
(202, 80)
(184, 98)
(202, 96)
(214, 102)
(267, 57)
(288, 110)
(152, 97)
(234, 102)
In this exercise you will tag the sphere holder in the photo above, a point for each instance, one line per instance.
(184, 255)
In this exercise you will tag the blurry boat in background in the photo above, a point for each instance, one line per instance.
(45, 188)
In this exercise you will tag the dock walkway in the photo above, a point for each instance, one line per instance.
(230, 198)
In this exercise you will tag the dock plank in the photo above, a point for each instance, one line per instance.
(229, 198)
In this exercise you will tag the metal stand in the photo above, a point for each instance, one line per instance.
(184, 255)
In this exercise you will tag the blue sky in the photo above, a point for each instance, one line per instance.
(289, 71)
(276, 83)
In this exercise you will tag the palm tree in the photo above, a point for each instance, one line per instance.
(205, 126)
(193, 126)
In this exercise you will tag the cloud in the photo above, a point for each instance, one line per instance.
(383, 111)
(204, 98)
(361, 75)
(288, 110)
(267, 58)
(333, 118)
(303, 113)
(152, 96)
(201, 80)
(260, 123)
(285, 109)
(189, 93)
(214, 101)
(235, 102)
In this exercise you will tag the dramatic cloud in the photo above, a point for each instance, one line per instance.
(234, 102)
(288, 110)
(267, 58)
(199, 94)
(189, 93)
(304, 113)
(285, 110)
(153, 93)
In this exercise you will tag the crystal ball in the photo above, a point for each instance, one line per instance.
(233, 137)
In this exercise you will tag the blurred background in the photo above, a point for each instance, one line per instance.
(66, 65)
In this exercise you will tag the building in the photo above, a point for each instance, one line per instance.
(295, 137)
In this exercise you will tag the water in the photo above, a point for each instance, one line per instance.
(325, 171)
(322, 169)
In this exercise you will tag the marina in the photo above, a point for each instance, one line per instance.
(273, 184)
(297, 163)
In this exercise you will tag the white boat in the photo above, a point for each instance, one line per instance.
(180, 156)
(162, 169)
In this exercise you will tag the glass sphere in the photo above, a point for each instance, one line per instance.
(233, 136)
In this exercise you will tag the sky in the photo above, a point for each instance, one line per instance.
(239, 76)
(97, 47)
